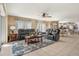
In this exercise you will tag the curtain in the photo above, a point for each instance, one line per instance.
(38, 28)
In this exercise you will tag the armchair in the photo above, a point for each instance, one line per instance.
(50, 36)
(53, 34)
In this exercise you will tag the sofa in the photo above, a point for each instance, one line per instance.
(23, 32)
(13, 49)
(49, 34)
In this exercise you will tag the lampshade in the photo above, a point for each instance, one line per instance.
(12, 27)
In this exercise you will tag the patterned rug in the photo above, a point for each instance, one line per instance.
(20, 48)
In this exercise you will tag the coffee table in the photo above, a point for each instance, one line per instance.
(33, 39)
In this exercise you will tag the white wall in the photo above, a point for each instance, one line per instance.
(3, 25)
(0, 29)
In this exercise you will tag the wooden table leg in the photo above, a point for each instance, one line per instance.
(27, 40)
(41, 40)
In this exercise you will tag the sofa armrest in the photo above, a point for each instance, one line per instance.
(6, 50)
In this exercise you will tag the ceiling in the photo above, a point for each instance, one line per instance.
(58, 11)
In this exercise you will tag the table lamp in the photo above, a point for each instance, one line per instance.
(12, 28)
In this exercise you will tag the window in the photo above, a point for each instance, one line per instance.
(23, 24)
(41, 27)
(28, 24)
(20, 24)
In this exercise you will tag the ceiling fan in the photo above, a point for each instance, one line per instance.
(46, 15)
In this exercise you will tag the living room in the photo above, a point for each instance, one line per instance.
(30, 27)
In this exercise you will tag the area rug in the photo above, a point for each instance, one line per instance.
(21, 49)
